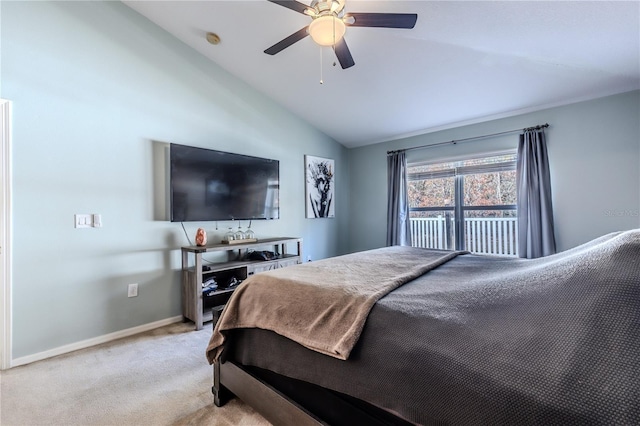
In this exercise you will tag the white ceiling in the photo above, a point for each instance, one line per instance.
(464, 62)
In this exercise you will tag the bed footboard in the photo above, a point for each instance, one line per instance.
(230, 379)
(221, 395)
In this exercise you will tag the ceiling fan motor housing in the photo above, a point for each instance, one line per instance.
(326, 7)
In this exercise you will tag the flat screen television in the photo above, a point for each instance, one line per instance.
(209, 185)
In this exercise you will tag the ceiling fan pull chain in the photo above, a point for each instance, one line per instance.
(321, 82)
(334, 38)
(334, 32)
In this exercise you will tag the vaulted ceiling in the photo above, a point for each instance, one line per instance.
(463, 62)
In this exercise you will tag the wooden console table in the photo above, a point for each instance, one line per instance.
(195, 306)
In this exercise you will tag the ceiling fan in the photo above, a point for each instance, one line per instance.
(329, 22)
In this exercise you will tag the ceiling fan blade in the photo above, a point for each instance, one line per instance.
(291, 4)
(286, 42)
(386, 20)
(343, 54)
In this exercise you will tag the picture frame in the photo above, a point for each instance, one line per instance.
(319, 187)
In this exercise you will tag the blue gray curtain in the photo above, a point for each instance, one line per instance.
(535, 213)
(398, 224)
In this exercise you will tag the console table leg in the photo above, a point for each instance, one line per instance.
(198, 292)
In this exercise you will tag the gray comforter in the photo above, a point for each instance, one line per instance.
(485, 340)
(323, 305)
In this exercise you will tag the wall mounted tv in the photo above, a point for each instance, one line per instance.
(209, 185)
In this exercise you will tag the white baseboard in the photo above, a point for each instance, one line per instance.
(93, 341)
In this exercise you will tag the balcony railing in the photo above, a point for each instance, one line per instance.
(496, 236)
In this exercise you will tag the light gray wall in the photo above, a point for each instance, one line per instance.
(594, 151)
(98, 91)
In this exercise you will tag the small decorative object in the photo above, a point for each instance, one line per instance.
(229, 236)
(239, 235)
(320, 186)
(249, 234)
(201, 237)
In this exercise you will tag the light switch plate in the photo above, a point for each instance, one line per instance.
(82, 220)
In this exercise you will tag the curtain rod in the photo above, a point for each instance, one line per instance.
(526, 129)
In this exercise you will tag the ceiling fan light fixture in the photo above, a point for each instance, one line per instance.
(327, 30)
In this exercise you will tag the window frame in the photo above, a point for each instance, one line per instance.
(458, 173)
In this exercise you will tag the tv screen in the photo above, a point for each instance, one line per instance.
(208, 185)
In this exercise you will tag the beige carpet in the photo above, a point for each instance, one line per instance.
(156, 378)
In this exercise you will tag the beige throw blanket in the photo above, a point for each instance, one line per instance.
(323, 305)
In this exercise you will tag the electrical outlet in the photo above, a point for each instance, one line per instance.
(133, 290)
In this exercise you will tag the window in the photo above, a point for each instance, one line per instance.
(465, 205)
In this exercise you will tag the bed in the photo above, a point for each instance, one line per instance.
(466, 339)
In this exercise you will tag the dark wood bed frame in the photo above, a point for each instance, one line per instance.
(230, 379)
(285, 401)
